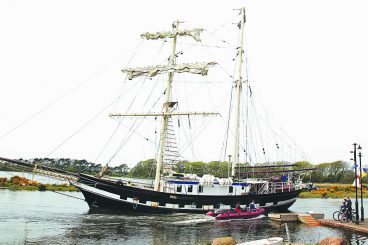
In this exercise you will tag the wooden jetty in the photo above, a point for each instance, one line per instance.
(311, 219)
(283, 217)
(362, 227)
(315, 219)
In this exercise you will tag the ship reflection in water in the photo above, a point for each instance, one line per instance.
(45, 217)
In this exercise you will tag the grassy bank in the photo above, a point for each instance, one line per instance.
(40, 187)
(332, 190)
(21, 183)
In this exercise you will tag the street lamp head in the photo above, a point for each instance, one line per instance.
(359, 147)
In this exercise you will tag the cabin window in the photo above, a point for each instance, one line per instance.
(178, 188)
(243, 187)
(200, 189)
(190, 188)
(230, 189)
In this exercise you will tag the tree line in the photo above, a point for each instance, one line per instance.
(329, 172)
(70, 165)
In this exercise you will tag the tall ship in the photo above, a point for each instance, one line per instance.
(272, 185)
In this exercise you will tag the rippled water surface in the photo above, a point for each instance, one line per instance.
(49, 218)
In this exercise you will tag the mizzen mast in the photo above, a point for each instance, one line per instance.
(238, 93)
(171, 68)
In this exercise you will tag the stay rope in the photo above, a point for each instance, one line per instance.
(26, 120)
(121, 94)
(57, 192)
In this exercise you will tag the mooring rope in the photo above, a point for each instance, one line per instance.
(57, 192)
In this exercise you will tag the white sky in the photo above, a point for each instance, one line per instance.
(307, 61)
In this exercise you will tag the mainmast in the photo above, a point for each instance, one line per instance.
(166, 110)
(171, 68)
(238, 93)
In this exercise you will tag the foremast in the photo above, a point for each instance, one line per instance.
(171, 68)
(238, 95)
(166, 110)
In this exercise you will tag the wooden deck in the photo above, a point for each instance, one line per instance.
(284, 217)
(362, 227)
(309, 219)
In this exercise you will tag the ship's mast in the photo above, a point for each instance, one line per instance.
(166, 110)
(238, 93)
(151, 71)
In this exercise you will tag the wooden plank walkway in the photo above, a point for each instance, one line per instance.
(362, 227)
(315, 219)
(309, 219)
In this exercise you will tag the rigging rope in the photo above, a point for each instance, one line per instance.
(60, 97)
(121, 94)
(224, 145)
(129, 135)
(57, 192)
(83, 126)
(24, 168)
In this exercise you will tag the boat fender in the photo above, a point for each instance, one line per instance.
(135, 205)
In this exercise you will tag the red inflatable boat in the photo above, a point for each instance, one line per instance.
(233, 214)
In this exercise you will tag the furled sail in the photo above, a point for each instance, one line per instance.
(151, 71)
(194, 33)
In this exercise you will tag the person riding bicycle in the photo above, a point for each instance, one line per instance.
(348, 207)
(343, 207)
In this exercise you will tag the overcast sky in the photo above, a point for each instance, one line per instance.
(307, 61)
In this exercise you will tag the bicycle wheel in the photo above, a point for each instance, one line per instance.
(336, 215)
(353, 216)
(343, 218)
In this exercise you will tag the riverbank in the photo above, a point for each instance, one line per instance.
(333, 190)
(41, 187)
(16, 183)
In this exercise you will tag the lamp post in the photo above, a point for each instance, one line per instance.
(228, 166)
(361, 184)
(356, 185)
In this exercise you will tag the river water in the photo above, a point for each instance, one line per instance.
(34, 217)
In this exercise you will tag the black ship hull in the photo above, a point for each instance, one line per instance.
(111, 196)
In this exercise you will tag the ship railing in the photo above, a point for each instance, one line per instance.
(140, 185)
(275, 187)
(131, 183)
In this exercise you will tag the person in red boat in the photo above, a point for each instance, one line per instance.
(252, 206)
(237, 207)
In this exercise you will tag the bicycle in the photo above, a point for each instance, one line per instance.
(341, 215)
